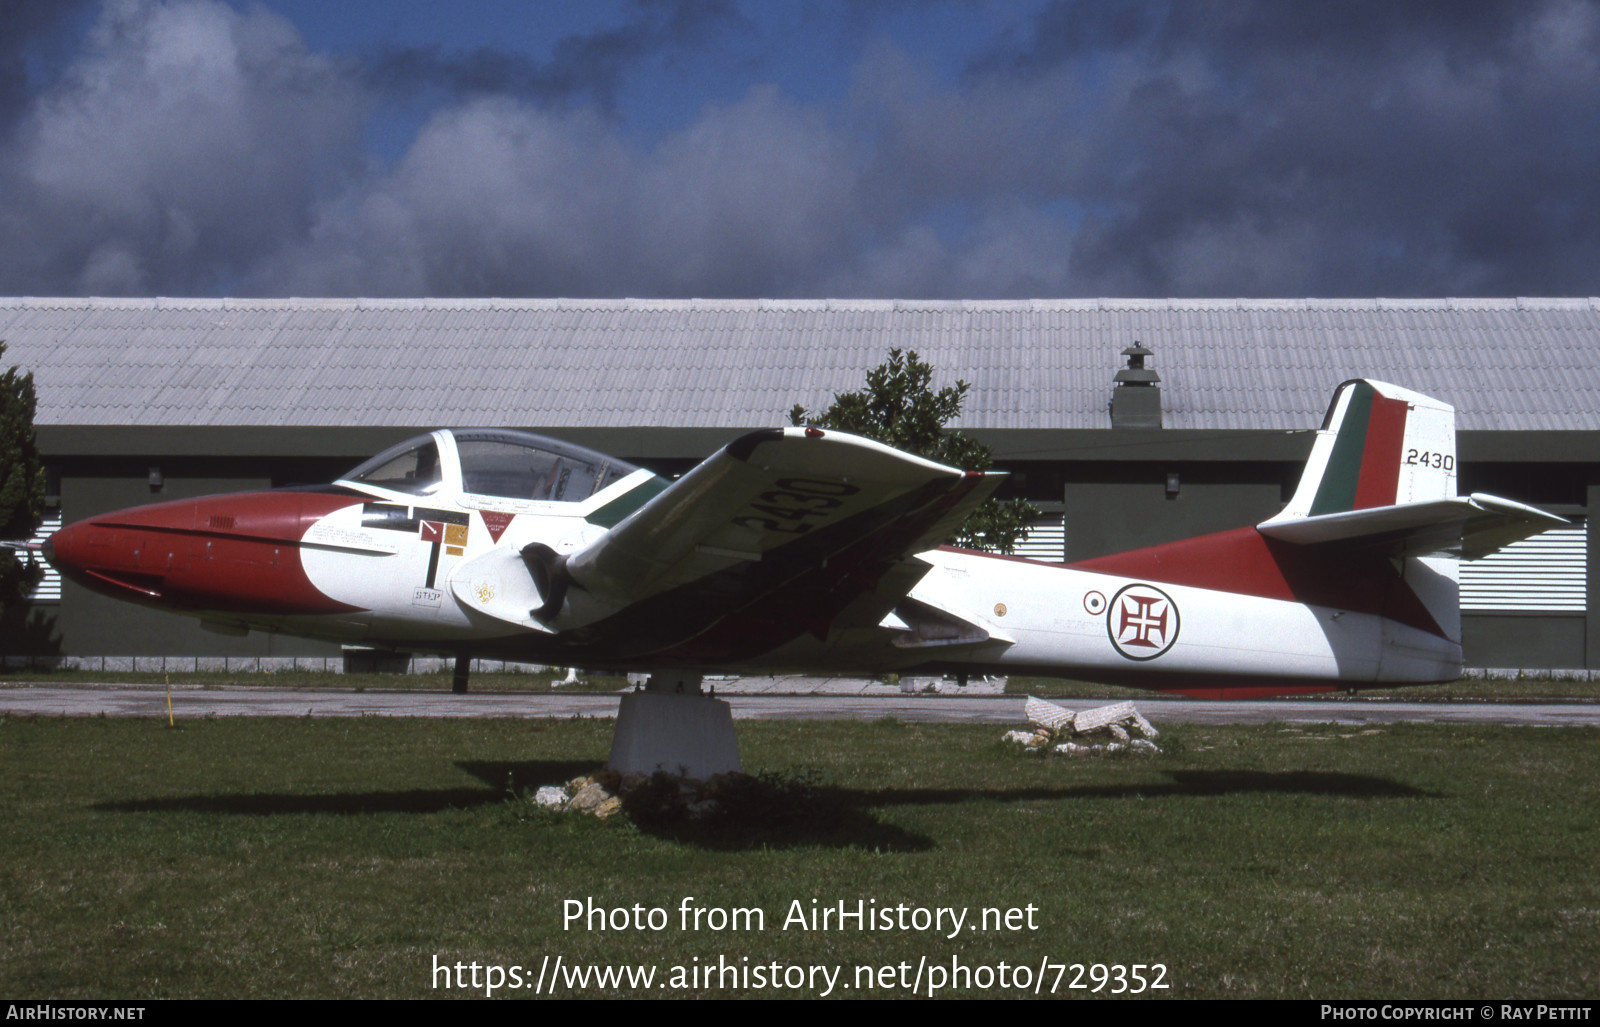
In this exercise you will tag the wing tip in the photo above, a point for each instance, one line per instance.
(744, 446)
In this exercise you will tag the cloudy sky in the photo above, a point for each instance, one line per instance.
(880, 148)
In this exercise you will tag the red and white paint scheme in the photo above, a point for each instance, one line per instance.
(799, 549)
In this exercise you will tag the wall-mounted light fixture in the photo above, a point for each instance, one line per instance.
(1173, 484)
(155, 479)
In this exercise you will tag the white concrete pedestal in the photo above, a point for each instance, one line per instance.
(689, 735)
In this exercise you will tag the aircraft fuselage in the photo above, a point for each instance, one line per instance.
(372, 570)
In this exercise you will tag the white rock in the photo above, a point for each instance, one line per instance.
(551, 797)
(589, 796)
(1100, 716)
(1049, 715)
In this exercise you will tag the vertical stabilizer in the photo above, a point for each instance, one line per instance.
(1379, 445)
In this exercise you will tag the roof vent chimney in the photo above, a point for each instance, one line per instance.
(1136, 398)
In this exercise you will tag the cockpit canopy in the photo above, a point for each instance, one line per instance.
(412, 466)
(496, 462)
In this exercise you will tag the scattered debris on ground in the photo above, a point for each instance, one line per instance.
(1104, 729)
(599, 795)
(663, 797)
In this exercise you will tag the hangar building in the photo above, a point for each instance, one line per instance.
(151, 399)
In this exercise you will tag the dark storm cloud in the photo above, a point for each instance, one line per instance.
(26, 28)
(186, 141)
(1072, 29)
(581, 68)
(192, 147)
(751, 199)
(1186, 149)
(1357, 148)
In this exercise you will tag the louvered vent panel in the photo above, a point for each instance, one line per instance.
(1047, 539)
(1548, 572)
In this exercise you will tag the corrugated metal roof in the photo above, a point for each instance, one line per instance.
(1506, 364)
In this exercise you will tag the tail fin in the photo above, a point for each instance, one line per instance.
(1379, 445)
(1382, 478)
(1382, 475)
(1375, 527)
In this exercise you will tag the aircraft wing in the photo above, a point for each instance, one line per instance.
(778, 534)
(1470, 526)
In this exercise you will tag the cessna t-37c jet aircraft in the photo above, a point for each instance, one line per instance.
(799, 549)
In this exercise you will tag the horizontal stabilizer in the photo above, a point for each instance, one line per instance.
(1468, 526)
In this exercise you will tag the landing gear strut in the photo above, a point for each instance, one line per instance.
(458, 682)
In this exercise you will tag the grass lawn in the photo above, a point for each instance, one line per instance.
(342, 858)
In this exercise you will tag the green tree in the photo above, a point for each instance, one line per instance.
(21, 483)
(900, 408)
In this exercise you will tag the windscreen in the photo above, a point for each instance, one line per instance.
(515, 465)
(411, 466)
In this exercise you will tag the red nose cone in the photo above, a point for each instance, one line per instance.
(65, 540)
(236, 554)
(105, 559)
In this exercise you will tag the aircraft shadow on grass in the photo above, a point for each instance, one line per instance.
(772, 815)
(416, 800)
(773, 812)
(754, 812)
(1333, 784)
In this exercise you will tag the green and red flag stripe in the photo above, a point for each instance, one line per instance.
(1364, 468)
